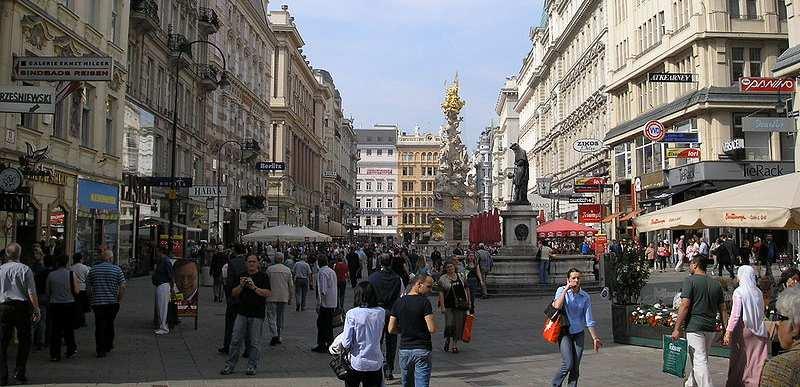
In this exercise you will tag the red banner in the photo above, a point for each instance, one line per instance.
(590, 213)
(769, 85)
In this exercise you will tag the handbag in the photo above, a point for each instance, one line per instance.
(338, 318)
(461, 302)
(340, 364)
(469, 321)
(555, 321)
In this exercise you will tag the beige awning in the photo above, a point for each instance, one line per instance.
(770, 203)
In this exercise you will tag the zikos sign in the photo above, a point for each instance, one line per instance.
(768, 85)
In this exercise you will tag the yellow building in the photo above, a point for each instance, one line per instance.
(417, 165)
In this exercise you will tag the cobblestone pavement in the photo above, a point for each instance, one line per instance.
(507, 350)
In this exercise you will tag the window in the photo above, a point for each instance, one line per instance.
(61, 117)
(358, 187)
(369, 203)
(389, 220)
(745, 62)
(379, 221)
(389, 186)
(650, 155)
(379, 186)
(622, 162)
(86, 120)
(110, 107)
(752, 11)
(733, 8)
(390, 152)
(389, 203)
(369, 186)
(369, 152)
(115, 28)
(756, 144)
(379, 152)
(358, 202)
(787, 146)
(368, 221)
(781, 9)
(379, 203)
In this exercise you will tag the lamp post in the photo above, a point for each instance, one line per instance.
(248, 145)
(183, 47)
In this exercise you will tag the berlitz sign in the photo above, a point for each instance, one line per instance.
(766, 85)
(56, 68)
(672, 77)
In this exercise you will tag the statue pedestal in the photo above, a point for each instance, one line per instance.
(455, 213)
(519, 229)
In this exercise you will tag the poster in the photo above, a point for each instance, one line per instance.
(675, 353)
(186, 287)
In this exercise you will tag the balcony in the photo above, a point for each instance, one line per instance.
(208, 76)
(177, 44)
(144, 15)
(208, 21)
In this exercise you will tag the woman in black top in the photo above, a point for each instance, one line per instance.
(454, 303)
(474, 280)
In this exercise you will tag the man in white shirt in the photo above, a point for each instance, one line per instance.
(19, 307)
(544, 261)
(282, 286)
(81, 271)
(326, 291)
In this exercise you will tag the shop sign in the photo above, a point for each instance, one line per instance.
(50, 176)
(683, 153)
(728, 170)
(733, 145)
(672, 77)
(769, 85)
(270, 166)
(589, 184)
(207, 191)
(93, 195)
(10, 179)
(581, 199)
(379, 171)
(57, 68)
(57, 219)
(165, 181)
(27, 99)
(622, 188)
(652, 180)
(654, 130)
(587, 145)
(768, 124)
(329, 174)
(590, 213)
(682, 137)
(600, 243)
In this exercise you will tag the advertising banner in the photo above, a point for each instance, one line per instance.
(767, 85)
(590, 213)
(187, 279)
(683, 153)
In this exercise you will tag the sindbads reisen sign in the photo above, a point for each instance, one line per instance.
(27, 99)
(57, 68)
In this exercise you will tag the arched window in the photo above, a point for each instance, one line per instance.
(430, 156)
(417, 203)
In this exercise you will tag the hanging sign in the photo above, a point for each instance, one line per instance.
(654, 130)
(681, 137)
(672, 77)
(587, 145)
(57, 68)
(768, 124)
(581, 199)
(27, 99)
(590, 213)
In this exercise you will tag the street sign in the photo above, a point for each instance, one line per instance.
(587, 145)
(56, 68)
(165, 181)
(27, 99)
(683, 153)
(768, 124)
(672, 77)
(270, 166)
(683, 137)
(767, 85)
(654, 130)
(581, 199)
(207, 191)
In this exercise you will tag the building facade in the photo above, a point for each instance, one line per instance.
(788, 63)
(722, 46)
(71, 189)
(561, 97)
(376, 202)
(417, 164)
(504, 135)
(297, 102)
(482, 161)
(338, 165)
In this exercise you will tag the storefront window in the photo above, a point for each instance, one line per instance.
(650, 155)
(756, 143)
(787, 146)
(98, 218)
(58, 227)
(622, 162)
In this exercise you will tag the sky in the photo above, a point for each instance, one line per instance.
(390, 59)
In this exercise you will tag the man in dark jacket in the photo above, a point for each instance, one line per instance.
(354, 264)
(388, 287)
(724, 257)
(237, 268)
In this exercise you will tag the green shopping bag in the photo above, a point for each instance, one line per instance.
(675, 353)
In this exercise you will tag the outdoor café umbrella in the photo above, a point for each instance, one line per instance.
(769, 203)
(286, 233)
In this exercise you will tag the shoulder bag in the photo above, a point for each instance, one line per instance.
(340, 364)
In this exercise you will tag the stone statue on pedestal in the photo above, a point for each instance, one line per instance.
(520, 176)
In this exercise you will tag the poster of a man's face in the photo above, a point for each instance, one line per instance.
(186, 280)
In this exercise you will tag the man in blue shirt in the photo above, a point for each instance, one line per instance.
(577, 305)
(106, 286)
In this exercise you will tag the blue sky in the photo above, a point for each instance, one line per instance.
(391, 58)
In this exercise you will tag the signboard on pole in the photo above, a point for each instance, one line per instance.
(682, 137)
(581, 199)
(767, 85)
(587, 145)
(207, 191)
(57, 68)
(672, 77)
(590, 213)
(270, 166)
(768, 124)
(589, 184)
(654, 130)
(683, 153)
(165, 181)
(27, 99)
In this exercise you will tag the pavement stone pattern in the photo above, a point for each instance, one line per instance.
(507, 350)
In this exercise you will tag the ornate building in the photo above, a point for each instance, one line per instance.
(505, 134)
(377, 186)
(417, 165)
(73, 186)
(561, 96)
(482, 162)
(297, 103)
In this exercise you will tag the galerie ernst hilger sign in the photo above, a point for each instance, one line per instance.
(56, 68)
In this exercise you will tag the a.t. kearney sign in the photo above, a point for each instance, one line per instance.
(672, 77)
(27, 99)
(56, 68)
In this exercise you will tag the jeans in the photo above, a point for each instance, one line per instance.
(63, 316)
(325, 327)
(275, 317)
(162, 304)
(246, 332)
(15, 315)
(104, 316)
(662, 262)
(571, 347)
(300, 292)
(230, 320)
(544, 270)
(342, 286)
(391, 346)
(415, 367)
(697, 374)
(364, 378)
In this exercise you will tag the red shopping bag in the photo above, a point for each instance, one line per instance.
(466, 336)
(552, 327)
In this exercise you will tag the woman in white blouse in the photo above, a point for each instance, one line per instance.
(363, 327)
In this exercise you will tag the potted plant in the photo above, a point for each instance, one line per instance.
(630, 272)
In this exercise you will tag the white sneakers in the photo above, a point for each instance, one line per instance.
(162, 331)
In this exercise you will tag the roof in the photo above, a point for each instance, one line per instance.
(789, 57)
(376, 136)
(709, 94)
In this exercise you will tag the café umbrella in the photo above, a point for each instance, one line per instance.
(771, 203)
(286, 233)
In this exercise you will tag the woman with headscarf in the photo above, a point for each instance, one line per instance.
(746, 333)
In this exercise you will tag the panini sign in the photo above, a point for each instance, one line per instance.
(767, 85)
(56, 68)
